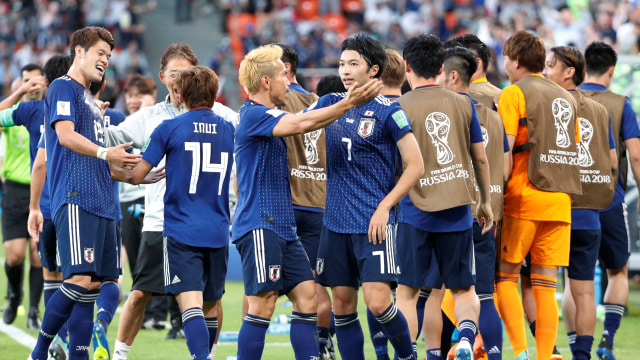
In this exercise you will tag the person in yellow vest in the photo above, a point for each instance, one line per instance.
(541, 125)
(565, 66)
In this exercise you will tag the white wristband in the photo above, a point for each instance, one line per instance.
(102, 153)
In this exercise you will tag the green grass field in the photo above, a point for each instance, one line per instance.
(150, 344)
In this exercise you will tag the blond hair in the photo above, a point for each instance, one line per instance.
(394, 73)
(260, 62)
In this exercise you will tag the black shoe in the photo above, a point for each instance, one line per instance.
(33, 319)
(175, 333)
(10, 311)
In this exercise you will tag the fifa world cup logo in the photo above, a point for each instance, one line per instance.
(311, 146)
(438, 126)
(562, 113)
(586, 134)
(485, 136)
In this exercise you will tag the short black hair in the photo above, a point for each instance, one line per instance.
(31, 67)
(425, 54)
(289, 55)
(480, 49)
(330, 84)
(370, 49)
(600, 57)
(95, 86)
(451, 44)
(461, 60)
(56, 66)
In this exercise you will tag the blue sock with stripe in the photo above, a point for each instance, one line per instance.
(583, 346)
(56, 314)
(212, 326)
(571, 339)
(251, 337)
(378, 337)
(107, 303)
(50, 287)
(467, 331)
(303, 335)
(81, 326)
(350, 336)
(434, 354)
(490, 327)
(422, 301)
(395, 327)
(195, 330)
(612, 317)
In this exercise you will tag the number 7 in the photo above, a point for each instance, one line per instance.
(348, 141)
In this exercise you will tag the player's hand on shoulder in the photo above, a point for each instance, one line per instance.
(103, 105)
(118, 156)
(362, 94)
(147, 100)
(154, 176)
(34, 224)
(378, 225)
(485, 216)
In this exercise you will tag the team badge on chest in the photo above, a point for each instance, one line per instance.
(89, 255)
(365, 129)
(274, 272)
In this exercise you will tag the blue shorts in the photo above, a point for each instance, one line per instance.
(190, 268)
(48, 247)
(484, 249)
(614, 247)
(86, 243)
(119, 247)
(350, 259)
(271, 263)
(419, 251)
(309, 226)
(584, 254)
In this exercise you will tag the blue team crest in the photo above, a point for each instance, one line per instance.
(89, 255)
(274, 272)
(365, 129)
(319, 266)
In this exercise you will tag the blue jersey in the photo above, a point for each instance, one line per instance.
(30, 114)
(45, 201)
(449, 220)
(629, 129)
(113, 117)
(263, 175)
(361, 161)
(199, 150)
(75, 178)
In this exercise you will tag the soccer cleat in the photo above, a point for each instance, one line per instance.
(329, 351)
(479, 352)
(464, 351)
(451, 355)
(100, 343)
(33, 319)
(58, 350)
(11, 310)
(175, 333)
(556, 354)
(523, 356)
(604, 351)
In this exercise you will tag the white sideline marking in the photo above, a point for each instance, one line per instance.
(18, 335)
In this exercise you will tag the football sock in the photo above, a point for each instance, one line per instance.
(448, 328)
(303, 335)
(511, 310)
(212, 326)
(544, 292)
(449, 307)
(120, 351)
(60, 306)
(571, 339)
(50, 287)
(36, 284)
(612, 316)
(468, 330)
(434, 354)
(251, 337)
(583, 347)
(15, 275)
(107, 303)
(490, 327)
(81, 325)
(395, 327)
(378, 338)
(195, 330)
(532, 327)
(422, 300)
(350, 336)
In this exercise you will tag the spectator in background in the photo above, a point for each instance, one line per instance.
(131, 60)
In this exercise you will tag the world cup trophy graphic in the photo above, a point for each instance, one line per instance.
(562, 113)
(586, 135)
(438, 126)
(485, 136)
(311, 146)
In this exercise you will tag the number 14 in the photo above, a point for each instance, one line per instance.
(207, 166)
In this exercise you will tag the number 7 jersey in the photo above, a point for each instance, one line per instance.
(361, 161)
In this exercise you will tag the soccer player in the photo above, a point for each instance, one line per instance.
(15, 202)
(357, 245)
(199, 156)
(479, 83)
(565, 66)
(82, 198)
(264, 229)
(614, 247)
(148, 276)
(537, 205)
(308, 178)
(436, 221)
